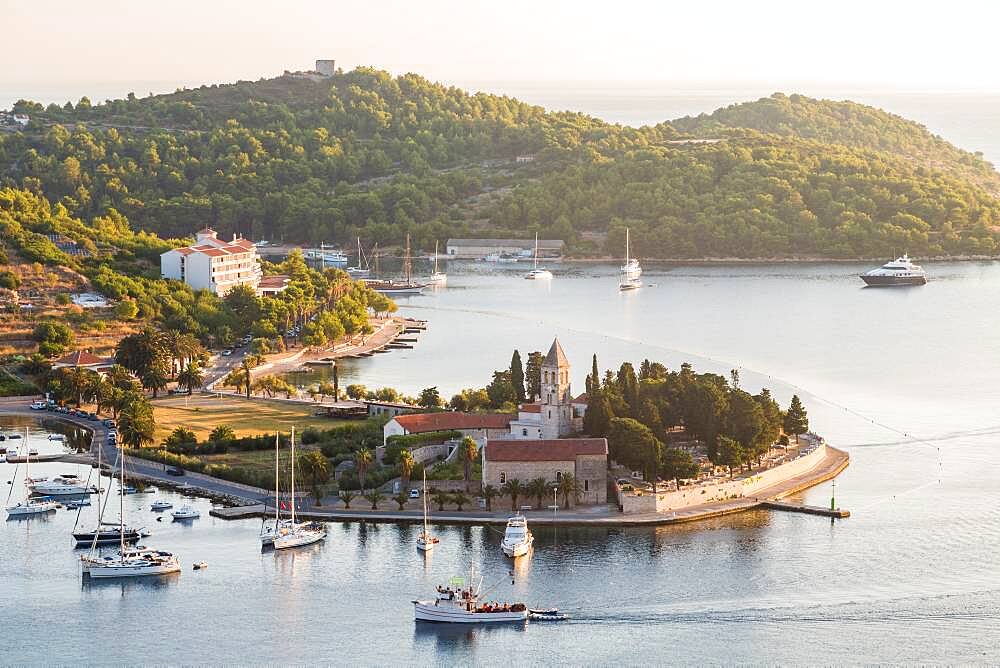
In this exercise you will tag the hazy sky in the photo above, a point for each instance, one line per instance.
(872, 44)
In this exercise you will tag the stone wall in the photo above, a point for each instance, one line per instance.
(590, 471)
(696, 495)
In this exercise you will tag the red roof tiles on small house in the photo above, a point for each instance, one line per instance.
(416, 423)
(83, 358)
(544, 450)
(530, 408)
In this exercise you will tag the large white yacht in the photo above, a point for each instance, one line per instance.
(517, 539)
(62, 485)
(900, 271)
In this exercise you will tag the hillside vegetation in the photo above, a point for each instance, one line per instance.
(367, 154)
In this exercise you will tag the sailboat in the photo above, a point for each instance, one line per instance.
(105, 533)
(30, 506)
(297, 535)
(438, 277)
(268, 532)
(139, 562)
(404, 287)
(360, 271)
(536, 273)
(426, 541)
(630, 271)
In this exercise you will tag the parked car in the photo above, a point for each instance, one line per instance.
(227, 352)
(38, 405)
(173, 470)
(414, 493)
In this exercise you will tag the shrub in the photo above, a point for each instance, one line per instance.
(9, 280)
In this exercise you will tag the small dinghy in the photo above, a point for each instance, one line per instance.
(199, 565)
(546, 615)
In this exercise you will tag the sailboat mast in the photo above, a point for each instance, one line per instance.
(424, 495)
(536, 251)
(277, 504)
(293, 475)
(435, 256)
(121, 506)
(406, 261)
(626, 245)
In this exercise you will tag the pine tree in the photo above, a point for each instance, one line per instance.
(517, 375)
(796, 419)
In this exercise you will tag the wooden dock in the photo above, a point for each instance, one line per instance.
(238, 512)
(837, 513)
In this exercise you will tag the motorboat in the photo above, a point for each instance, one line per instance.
(630, 273)
(426, 540)
(538, 273)
(546, 615)
(186, 513)
(32, 506)
(294, 534)
(517, 539)
(161, 505)
(130, 564)
(128, 490)
(458, 604)
(66, 484)
(901, 271)
(501, 258)
(57, 437)
(200, 565)
(77, 503)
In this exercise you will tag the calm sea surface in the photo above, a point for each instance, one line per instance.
(903, 379)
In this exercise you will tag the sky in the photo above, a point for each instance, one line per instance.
(701, 45)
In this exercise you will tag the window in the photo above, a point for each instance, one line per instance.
(524, 432)
(558, 476)
(586, 485)
(550, 413)
(503, 477)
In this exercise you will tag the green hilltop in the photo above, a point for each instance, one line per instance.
(367, 154)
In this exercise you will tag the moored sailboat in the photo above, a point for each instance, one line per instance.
(630, 272)
(538, 273)
(30, 506)
(438, 277)
(297, 535)
(426, 540)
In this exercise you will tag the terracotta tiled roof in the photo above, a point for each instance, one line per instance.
(545, 450)
(186, 250)
(235, 248)
(213, 252)
(273, 281)
(582, 399)
(530, 408)
(82, 358)
(246, 244)
(556, 356)
(416, 423)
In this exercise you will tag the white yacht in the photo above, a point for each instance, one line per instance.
(456, 604)
(161, 505)
(900, 271)
(538, 273)
(30, 506)
(186, 513)
(438, 278)
(134, 563)
(631, 272)
(294, 534)
(517, 539)
(426, 540)
(269, 531)
(61, 485)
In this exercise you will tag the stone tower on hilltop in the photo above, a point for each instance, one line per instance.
(557, 409)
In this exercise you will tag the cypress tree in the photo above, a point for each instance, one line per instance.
(517, 375)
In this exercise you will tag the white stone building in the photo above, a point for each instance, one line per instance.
(213, 264)
(478, 248)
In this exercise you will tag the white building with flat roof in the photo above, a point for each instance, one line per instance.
(213, 264)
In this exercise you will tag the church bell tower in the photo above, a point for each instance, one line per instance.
(557, 409)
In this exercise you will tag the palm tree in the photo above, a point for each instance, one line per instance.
(191, 376)
(315, 471)
(538, 488)
(459, 499)
(406, 464)
(362, 460)
(154, 378)
(401, 499)
(81, 380)
(374, 497)
(489, 492)
(569, 486)
(470, 452)
(135, 422)
(346, 496)
(103, 390)
(440, 498)
(513, 488)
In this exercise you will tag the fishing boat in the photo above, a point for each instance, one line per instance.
(458, 604)
(438, 277)
(517, 539)
(297, 535)
(631, 272)
(141, 562)
(538, 273)
(426, 541)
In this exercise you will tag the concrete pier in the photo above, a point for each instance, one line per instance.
(838, 513)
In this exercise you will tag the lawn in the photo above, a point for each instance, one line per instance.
(202, 413)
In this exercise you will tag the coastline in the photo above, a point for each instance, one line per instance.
(775, 260)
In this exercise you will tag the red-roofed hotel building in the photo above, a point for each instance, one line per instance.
(213, 264)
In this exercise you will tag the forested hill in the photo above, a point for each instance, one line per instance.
(308, 159)
(847, 123)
